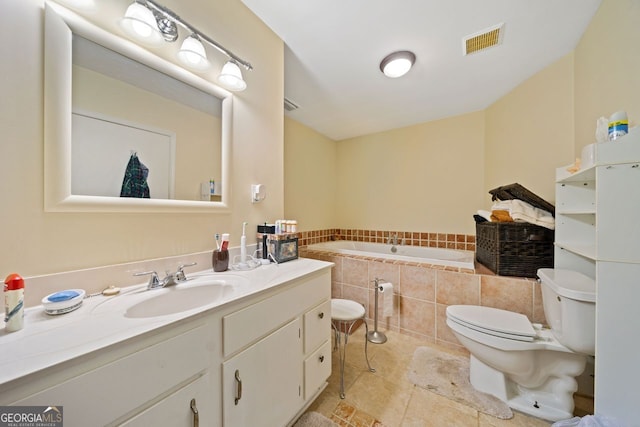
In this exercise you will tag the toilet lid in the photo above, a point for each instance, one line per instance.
(502, 323)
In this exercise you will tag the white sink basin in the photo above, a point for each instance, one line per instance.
(175, 299)
(194, 293)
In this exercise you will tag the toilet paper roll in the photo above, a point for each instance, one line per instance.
(386, 289)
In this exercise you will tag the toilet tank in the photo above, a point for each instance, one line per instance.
(569, 300)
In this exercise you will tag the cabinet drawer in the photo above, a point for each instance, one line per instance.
(317, 368)
(317, 326)
(245, 326)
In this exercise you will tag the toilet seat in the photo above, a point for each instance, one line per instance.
(493, 321)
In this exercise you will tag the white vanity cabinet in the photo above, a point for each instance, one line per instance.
(256, 360)
(277, 354)
(598, 234)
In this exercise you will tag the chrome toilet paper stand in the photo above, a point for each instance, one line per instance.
(376, 336)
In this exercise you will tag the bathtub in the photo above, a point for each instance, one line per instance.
(436, 256)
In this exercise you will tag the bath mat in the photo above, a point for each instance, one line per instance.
(448, 375)
(314, 419)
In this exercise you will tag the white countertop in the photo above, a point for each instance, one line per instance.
(46, 340)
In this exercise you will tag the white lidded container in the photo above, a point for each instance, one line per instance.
(569, 300)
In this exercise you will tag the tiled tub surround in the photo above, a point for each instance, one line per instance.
(422, 293)
(413, 238)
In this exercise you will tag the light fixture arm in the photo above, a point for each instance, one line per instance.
(169, 14)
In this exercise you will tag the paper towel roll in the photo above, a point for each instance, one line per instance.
(386, 289)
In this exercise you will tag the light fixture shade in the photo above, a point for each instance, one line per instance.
(398, 63)
(192, 53)
(231, 77)
(139, 23)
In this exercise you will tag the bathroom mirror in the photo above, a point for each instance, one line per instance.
(99, 98)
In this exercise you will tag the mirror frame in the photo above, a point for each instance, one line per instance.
(59, 26)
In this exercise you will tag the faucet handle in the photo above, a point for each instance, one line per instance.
(154, 280)
(180, 276)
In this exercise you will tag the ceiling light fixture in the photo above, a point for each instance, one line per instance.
(398, 63)
(151, 23)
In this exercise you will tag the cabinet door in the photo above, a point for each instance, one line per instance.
(262, 385)
(176, 409)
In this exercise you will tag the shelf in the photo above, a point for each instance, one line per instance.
(588, 174)
(586, 211)
(586, 251)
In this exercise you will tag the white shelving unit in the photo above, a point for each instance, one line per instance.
(598, 234)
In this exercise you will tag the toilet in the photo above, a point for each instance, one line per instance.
(532, 368)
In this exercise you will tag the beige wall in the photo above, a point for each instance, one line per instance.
(36, 242)
(426, 177)
(529, 132)
(607, 68)
(420, 178)
(310, 174)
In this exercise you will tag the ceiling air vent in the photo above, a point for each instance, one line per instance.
(484, 39)
(290, 105)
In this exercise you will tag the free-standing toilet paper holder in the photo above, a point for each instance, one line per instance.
(376, 336)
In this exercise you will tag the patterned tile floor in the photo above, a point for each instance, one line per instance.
(386, 398)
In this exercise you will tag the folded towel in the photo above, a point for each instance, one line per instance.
(501, 216)
(523, 211)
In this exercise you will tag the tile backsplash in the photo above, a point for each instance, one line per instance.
(412, 238)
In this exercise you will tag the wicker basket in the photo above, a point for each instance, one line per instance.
(515, 248)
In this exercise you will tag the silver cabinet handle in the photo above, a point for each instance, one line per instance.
(196, 417)
(321, 315)
(238, 387)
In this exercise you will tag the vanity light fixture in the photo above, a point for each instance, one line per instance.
(397, 64)
(231, 77)
(152, 24)
(140, 23)
(192, 53)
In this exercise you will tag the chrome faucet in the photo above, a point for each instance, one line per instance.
(170, 279)
(393, 241)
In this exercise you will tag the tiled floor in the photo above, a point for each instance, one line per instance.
(387, 398)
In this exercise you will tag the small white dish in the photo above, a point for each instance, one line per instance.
(63, 301)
